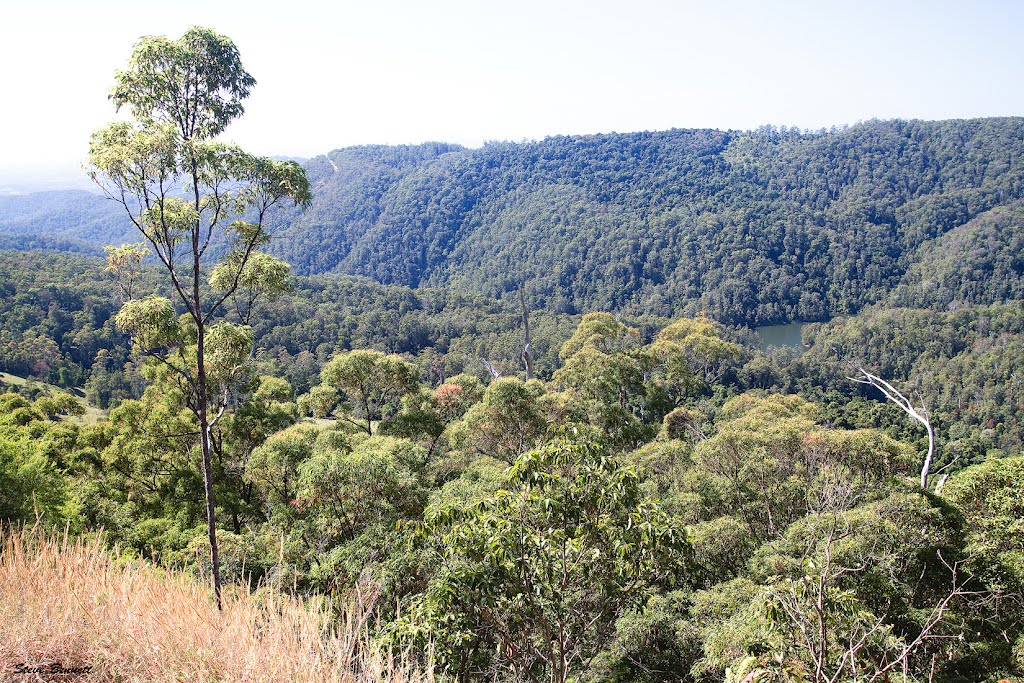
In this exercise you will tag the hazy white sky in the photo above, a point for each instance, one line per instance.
(332, 74)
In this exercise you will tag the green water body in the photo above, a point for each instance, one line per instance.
(780, 336)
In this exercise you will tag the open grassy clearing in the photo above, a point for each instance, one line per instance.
(92, 414)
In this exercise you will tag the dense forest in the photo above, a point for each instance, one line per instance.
(511, 402)
(370, 440)
(58, 328)
(755, 227)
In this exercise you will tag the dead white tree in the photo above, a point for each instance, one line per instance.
(919, 414)
(490, 368)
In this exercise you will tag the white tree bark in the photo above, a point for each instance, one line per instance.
(904, 403)
(490, 368)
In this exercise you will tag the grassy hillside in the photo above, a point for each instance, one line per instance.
(90, 414)
(73, 604)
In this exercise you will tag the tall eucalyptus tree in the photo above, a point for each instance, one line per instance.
(202, 207)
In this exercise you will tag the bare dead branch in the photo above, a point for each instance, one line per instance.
(490, 368)
(907, 406)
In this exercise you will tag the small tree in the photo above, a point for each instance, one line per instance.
(507, 422)
(192, 197)
(366, 385)
(531, 580)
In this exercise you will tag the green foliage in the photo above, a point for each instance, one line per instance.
(37, 457)
(31, 486)
(274, 465)
(124, 263)
(768, 462)
(160, 84)
(510, 420)
(531, 579)
(722, 547)
(625, 388)
(250, 278)
(151, 322)
(849, 590)
(848, 576)
(347, 490)
(143, 483)
(681, 423)
(602, 332)
(691, 355)
(989, 495)
(370, 385)
(608, 388)
(55, 318)
(656, 643)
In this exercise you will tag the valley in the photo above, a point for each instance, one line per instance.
(693, 405)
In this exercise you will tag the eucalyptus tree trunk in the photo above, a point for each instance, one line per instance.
(181, 95)
(202, 412)
(202, 407)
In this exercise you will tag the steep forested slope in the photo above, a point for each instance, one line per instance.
(963, 366)
(753, 227)
(73, 220)
(979, 262)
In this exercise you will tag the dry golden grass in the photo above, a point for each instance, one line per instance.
(70, 604)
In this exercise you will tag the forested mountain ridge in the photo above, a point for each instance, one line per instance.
(752, 227)
(70, 220)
